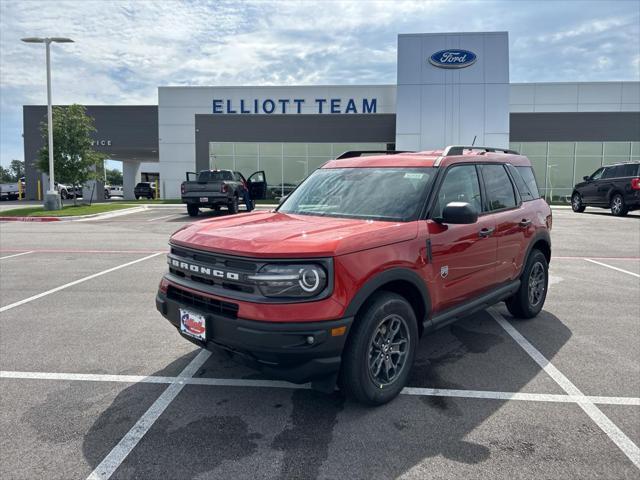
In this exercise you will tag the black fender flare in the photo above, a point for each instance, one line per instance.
(539, 235)
(385, 277)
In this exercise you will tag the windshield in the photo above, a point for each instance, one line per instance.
(394, 194)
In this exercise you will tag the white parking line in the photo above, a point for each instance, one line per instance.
(623, 442)
(16, 255)
(75, 282)
(113, 460)
(240, 382)
(164, 216)
(613, 268)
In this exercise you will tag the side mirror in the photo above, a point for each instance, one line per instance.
(459, 213)
(586, 178)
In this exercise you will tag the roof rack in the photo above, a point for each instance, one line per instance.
(459, 150)
(360, 153)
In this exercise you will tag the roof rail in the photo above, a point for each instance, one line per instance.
(459, 150)
(360, 153)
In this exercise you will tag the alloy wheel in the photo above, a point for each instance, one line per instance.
(616, 205)
(388, 349)
(537, 284)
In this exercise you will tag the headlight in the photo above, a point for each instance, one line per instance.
(276, 280)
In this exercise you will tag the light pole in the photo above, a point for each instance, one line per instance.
(52, 198)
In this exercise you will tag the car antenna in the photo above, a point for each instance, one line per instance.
(474, 140)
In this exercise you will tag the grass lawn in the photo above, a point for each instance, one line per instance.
(144, 201)
(67, 210)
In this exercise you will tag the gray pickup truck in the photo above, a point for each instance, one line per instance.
(220, 188)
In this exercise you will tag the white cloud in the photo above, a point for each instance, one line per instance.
(125, 49)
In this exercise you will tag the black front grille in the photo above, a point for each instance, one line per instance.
(202, 303)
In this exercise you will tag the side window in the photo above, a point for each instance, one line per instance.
(530, 180)
(630, 170)
(460, 185)
(521, 185)
(498, 186)
(597, 174)
(610, 172)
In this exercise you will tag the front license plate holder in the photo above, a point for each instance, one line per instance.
(193, 324)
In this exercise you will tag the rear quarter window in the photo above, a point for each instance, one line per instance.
(525, 183)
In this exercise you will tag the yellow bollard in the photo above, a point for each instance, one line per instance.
(19, 190)
(39, 191)
(157, 186)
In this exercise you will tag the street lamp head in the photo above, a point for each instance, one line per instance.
(47, 40)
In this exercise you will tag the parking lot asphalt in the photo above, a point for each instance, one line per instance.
(94, 383)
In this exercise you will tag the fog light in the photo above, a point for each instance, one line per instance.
(311, 340)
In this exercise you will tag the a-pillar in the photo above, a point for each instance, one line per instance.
(130, 177)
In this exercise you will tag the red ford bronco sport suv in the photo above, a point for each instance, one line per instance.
(370, 252)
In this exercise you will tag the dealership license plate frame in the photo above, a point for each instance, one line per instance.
(198, 318)
(204, 199)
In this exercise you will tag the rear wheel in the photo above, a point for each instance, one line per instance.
(233, 205)
(63, 194)
(529, 299)
(576, 203)
(618, 207)
(380, 350)
(193, 210)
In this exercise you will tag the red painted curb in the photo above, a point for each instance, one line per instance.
(29, 219)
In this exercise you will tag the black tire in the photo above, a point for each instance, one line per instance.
(193, 210)
(618, 206)
(106, 195)
(137, 197)
(216, 208)
(233, 205)
(534, 284)
(576, 203)
(63, 194)
(367, 336)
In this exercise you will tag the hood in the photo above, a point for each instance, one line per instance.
(273, 234)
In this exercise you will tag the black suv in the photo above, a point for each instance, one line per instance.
(145, 190)
(614, 186)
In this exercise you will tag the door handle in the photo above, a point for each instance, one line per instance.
(486, 232)
(525, 222)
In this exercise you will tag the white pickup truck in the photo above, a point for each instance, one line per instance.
(9, 191)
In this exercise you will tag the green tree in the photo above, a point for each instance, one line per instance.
(75, 160)
(17, 169)
(114, 176)
(5, 175)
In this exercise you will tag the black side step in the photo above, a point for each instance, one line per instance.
(480, 303)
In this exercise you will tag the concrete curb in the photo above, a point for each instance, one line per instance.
(77, 218)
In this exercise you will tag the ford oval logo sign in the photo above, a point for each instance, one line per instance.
(453, 58)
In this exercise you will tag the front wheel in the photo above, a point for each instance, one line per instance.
(618, 207)
(529, 299)
(193, 210)
(380, 350)
(64, 195)
(576, 203)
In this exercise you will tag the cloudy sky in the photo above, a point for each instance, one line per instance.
(125, 49)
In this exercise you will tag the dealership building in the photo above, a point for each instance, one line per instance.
(452, 88)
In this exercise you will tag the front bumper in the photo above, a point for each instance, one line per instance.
(279, 349)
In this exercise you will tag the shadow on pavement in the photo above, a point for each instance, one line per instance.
(220, 432)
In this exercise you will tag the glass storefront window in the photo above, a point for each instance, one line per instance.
(586, 166)
(221, 162)
(320, 149)
(617, 149)
(246, 149)
(534, 148)
(220, 148)
(562, 148)
(295, 170)
(589, 149)
(268, 149)
(272, 167)
(246, 164)
(295, 149)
